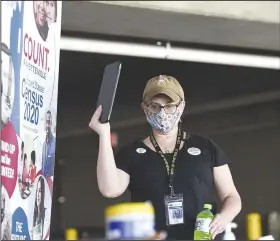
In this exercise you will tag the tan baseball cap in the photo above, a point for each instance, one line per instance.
(163, 84)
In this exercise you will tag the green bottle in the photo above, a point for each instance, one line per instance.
(203, 220)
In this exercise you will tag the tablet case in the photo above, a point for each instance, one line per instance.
(108, 90)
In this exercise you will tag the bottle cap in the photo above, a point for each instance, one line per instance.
(208, 206)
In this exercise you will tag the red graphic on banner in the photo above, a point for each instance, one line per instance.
(9, 158)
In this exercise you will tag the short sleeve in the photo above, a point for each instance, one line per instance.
(123, 160)
(219, 157)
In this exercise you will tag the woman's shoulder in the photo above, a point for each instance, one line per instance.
(198, 140)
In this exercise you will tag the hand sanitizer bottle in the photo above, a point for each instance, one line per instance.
(229, 235)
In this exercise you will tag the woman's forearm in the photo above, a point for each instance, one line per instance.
(231, 206)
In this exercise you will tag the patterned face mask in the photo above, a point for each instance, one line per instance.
(163, 122)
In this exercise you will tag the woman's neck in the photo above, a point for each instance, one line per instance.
(166, 139)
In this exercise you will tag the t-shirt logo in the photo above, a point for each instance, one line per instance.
(141, 150)
(194, 151)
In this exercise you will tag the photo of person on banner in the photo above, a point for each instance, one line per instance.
(45, 13)
(37, 231)
(7, 85)
(23, 173)
(21, 161)
(24, 182)
(48, 152)
(5, 216)
(26, 171)
(32, 167)
(51, 9)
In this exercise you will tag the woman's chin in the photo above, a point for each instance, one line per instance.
(5, 119)
(162, 132)
(6, 114)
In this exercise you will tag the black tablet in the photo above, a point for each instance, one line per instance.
(108, 90)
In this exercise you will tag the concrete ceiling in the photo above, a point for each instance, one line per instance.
(116, 20)
(208, 88)
(225, 87)
(262, 11)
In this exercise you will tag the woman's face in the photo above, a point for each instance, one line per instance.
(162, 113)
(39, 194)
(6, 110)
(39, 9)
(25, 163)
(161, 100)
(7, 79)
(50, 10)
(22, 156)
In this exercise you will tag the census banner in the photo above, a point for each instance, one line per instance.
(30, 50)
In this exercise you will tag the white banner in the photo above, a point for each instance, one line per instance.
(29, 85)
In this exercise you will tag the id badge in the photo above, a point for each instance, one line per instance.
(174, 209)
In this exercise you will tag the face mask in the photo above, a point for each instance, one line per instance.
(163, 122)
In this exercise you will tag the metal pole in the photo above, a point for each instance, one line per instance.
(169, 52)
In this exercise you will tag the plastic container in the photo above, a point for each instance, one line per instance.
(254, 226)
(202, 225)
(229, 235)
(130, 221)
(71, 234)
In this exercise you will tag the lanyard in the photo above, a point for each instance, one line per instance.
(170, 170)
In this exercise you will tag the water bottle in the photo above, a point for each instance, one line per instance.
(202, 225)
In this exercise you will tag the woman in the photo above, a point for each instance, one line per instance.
(39, 211)
(5, 216)
(51, 11)
(40, 17)
(32, 167)
(7, 85)
(25, 171)
(168, 163)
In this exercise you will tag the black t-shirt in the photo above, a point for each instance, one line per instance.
(193, 178)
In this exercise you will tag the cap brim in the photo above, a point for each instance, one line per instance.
(173, 96)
